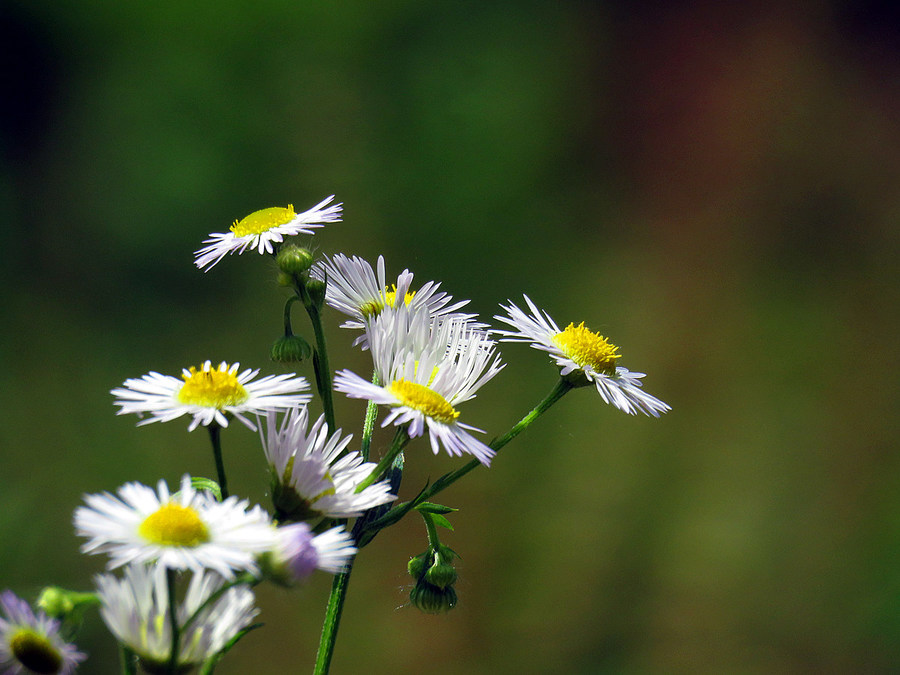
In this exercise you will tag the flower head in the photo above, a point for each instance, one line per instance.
(427, 368)
(135, 608)
(31, 643)
(186, 530)
(261, 229)
(355, 289)
(298, 553)
(209, 395)
(311, 476)
(580, 351)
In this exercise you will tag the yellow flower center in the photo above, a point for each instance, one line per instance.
(587, 348)
(420, 397)
(174, 525)
(372, 309)
(212, 388)
(263, 220)
(35, 652)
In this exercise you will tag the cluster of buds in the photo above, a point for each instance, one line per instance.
(435, 575)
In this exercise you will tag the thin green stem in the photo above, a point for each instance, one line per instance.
(401, 438)
(215, 438)
(369, 423)
(173, 621)
(288, 329)
(332, 620)
(129, 660)
(320, 363)
(397, 512)
(431, 529)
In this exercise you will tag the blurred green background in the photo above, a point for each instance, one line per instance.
(714, 187)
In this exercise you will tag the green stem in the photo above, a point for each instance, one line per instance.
(215, 437)
(369, 423)
(401, 438)
(431, 529)
(332, 620)
(129, 660)
(397, 512)
(288, 329)
(323, 370)
(173, 621)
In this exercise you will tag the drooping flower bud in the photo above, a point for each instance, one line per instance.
(291, 349)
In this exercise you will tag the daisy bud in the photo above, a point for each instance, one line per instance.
(441, 574)
(291, 349)
(316, 291)
(418, 565)
(431, 599)
(61, 603)
(293, 259)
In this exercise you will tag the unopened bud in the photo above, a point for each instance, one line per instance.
(291, 349)
(431, 599)
(293, 259)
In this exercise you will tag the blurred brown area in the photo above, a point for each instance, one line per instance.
(714, 187)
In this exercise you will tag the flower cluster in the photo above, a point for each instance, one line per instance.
(178, 589)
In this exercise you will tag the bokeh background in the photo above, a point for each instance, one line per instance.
(712, 185)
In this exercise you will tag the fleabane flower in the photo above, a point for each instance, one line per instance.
(298, 553)
(424, 370)
(31, 642)
(310, 476)
(135, 608)
(185, 530)
(261, 229)
(210, 395)
(355, 289)
(578, 350)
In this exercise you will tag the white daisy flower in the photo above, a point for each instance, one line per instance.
(427, 369)
(299, 553)
(31, 643)
(135, 608)
(261, 229)
(186, 530)
(210, 395)
(355, 289)
(579, 350)
(311, 477)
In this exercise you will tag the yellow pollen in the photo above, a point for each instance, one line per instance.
(587, 348)
(419, 397)
(174, 525)
(212, 388)
(263, 220)
(389, 299)
(35, 652)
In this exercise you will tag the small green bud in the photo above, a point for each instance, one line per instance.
(290, 349)
(285, 279)
(316, 291)
(417, 566)
(61, 603)
(441, 574)
(431, 599)
(293, 259)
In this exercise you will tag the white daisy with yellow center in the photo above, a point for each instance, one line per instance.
(135, 608)
(312, 475)
(428, 368)
(264, 228)
(210, 395)
(31, 642)
(186, 530)
(580, 350)
(355, 289)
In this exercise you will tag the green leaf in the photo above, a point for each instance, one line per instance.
(431, 507)
(210, 664)
(440, 520)
(208, 484)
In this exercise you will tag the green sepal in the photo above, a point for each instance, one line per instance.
(441, 520)
(431, 507)
(208, 484)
